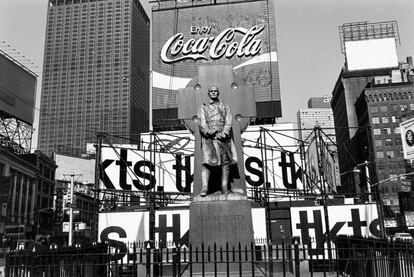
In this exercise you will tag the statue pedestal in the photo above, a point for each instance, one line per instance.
(221, 219)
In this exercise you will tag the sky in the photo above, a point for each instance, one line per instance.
(308, 43)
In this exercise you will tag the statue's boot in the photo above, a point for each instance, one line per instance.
(225, 178)
(205, 175)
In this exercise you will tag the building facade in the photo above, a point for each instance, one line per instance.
(85, 213)
(96, 73)
(380, 109)
(45, 185)
(356, 139)
(320, 102)
(312, 117)
(18, 196)
(27, 194)
(84, 204)
(370, 51)
(189, 33)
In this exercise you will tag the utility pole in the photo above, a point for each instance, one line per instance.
(71, 205)
(72, 184)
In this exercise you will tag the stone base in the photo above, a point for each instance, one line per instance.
(221, 222)
(226, 222)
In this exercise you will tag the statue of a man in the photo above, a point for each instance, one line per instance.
(217, 145)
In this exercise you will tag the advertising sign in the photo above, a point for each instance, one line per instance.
(120, 229)
(123, 227)
(328, 167)
(312, 165)
(17, 91)
(409, 219)
(309, 223)
(371, 53)
(238, 33)
(170, 169)
(407, 138)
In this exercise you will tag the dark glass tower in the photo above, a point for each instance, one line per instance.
(96, 73)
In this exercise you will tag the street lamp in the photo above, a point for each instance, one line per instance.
(395, 177)
(355, 170)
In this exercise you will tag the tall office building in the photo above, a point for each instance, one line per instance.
(96, 73)
(380, 109)
(370, 51)
(319, 113)
(190, 33)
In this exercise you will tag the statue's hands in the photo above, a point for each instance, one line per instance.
(211, 132)
(221, 135)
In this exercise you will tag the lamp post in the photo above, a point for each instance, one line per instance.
(365, 164)
(396, 177)
(355, 170)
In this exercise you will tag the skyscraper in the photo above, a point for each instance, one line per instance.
(370, 51)
(96, 73)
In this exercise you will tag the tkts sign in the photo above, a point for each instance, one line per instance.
(138, 170)
(309, 223)
(225, 44)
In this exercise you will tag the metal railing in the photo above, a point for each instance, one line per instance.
(350, 257)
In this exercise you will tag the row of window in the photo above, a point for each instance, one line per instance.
(389, 154)
(388, 142)
(385, 119)
(386, 131)
(391, 96)
(395, 107)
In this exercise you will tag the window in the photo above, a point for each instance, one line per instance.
(386, 131)
(385, 119)
(377, 132)
(380, 154)
(374, 109)
(388, 142)
(393, 119)
(412, 107)
(375, 120)
(384, 109)
(390, 154)
(378, 142)
(397, 130)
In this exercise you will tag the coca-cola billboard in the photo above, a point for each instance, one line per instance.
(176, 49)
(186, 35)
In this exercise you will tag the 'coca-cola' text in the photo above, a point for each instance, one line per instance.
(177, 49)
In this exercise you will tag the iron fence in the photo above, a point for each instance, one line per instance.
(350, 257)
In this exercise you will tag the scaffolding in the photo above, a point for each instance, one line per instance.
(365, 30)
(15, 135)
